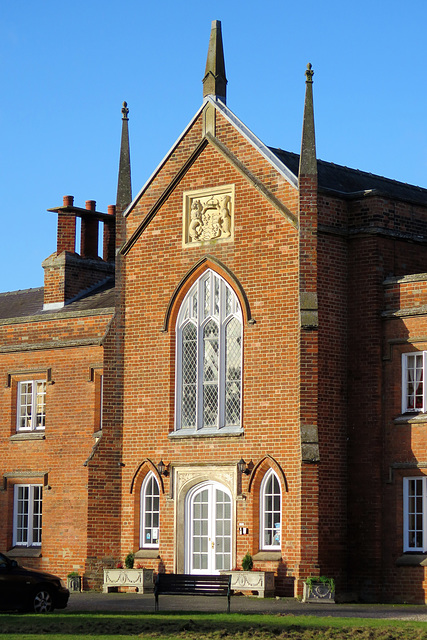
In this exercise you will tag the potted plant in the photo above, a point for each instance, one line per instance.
(319, 589)
(74, 581)
(247, 562)
(130, 560)
(139, 579)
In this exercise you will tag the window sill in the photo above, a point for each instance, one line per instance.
(412, 560)
(208, 432)
(31, 435)
(24, 552)
(411, 418)
(268, 556)
(147, 553)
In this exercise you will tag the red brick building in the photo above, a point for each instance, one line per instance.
(262, 371)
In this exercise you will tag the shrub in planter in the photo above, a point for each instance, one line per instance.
(247, 562)
(129, 560)
(319, 588)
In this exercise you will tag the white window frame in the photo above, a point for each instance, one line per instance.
(21, 408)
(415, 514)
(101, 399)
(212, 534)
(143, 528)
(406, 408)
(263, 512)
(222, 319)
(33, 516)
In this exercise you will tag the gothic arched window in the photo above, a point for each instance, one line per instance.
(209, 356)
(150, 512)
(271, 511)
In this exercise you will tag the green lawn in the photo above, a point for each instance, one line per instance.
(203, 626)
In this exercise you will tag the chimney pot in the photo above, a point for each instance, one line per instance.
(90, 205)
(68, 201)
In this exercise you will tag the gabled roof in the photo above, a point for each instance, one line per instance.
(242, 129)
(342, 180)
(29, 302)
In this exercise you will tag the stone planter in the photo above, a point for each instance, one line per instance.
(74, 583)
(260, 581)
(140, 579)
(318, 592)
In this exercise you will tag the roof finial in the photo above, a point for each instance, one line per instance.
(308, 161)
(125, 111)
(215, 81)
(124, 187)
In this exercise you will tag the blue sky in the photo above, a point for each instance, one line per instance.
(66, 68)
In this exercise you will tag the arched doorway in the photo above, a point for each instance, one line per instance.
(208, 529)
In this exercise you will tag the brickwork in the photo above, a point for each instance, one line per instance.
(332, 289)
(55, 457)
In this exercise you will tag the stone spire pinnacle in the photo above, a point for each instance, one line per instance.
(124, 187)
(215, 81)
(308, 162)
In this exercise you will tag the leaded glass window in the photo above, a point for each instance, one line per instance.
(209, 356)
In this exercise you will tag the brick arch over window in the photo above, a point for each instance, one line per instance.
(261, 468)
(268, 486)
(208, 262)
(141, 471)
(209, 342)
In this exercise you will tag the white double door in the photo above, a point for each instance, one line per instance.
(208, 529)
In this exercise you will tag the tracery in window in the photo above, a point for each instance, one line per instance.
(209, 356)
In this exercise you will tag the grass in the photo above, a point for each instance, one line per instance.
(203, 626)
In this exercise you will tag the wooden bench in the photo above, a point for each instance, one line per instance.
(181, 584)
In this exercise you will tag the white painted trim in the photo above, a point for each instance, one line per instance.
(34, 396)
(243, 130)
(256, 142)
(162, 162)
(262, 546)
(51, 306)
(405, 356)
(212, 487)
(30, 530)
(406, 545)
(142, 541)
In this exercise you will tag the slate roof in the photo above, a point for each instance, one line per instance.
(343, 180)
(29, 302)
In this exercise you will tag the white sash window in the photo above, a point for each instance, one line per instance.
(413, 386)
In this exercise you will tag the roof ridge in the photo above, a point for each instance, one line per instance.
(352, 169)
(9, 293)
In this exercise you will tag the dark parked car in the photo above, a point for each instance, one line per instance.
(30, 590)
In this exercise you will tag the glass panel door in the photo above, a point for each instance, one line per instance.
(209, 540)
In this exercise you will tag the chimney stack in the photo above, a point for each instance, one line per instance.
(89, 233)
(66, 234)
